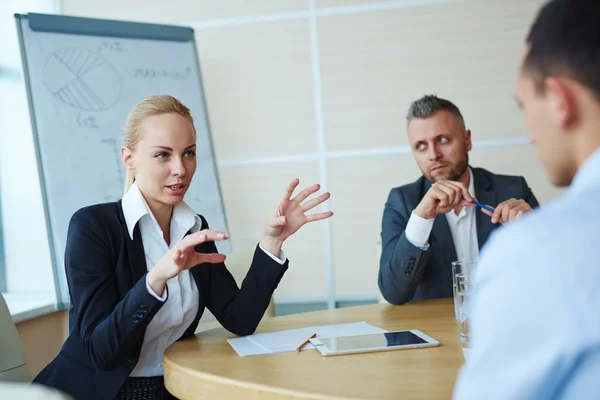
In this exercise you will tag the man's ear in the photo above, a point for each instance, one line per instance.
(468, 141)
(561, 102)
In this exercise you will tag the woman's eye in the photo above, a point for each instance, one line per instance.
(190, 154)
(162, 155)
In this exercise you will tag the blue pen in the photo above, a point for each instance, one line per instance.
(478, 204)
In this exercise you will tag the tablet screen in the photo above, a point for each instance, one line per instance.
(379, 340)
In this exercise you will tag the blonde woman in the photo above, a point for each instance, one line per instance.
(142, 270)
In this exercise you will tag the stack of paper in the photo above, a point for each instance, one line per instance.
(276, 342)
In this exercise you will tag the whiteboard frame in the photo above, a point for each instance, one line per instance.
(60, 303)
(99, 28)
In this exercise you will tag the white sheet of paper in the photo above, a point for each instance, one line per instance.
(245, 347)
(277, 342)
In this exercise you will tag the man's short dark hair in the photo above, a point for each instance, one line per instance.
(565, 39)
(428, 105)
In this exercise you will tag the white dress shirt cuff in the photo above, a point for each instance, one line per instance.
(281, 260)
(157, 297)
(418, 230)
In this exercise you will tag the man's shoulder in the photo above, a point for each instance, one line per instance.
(498, 178)
(547, 251)
(409, 189)
(505, 186)
(406, 197)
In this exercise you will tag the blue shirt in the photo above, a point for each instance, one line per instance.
(535, 310)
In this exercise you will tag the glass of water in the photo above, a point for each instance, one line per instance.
(464, 289)
(460, 267)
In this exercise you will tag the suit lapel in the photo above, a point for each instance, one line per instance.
(440, 233)
(135, 248)
(485, 194)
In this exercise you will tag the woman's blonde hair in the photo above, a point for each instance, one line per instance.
(152, 105)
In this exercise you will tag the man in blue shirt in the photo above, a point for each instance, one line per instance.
(535, 309)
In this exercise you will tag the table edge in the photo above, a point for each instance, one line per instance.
(171, 366)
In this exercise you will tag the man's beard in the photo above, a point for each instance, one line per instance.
(454, 174)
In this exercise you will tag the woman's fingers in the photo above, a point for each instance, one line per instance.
(205, 235)
(178, 256)
(212, 258)
(319, 216)
(187, 244)
(309, 205)
(194, 258)
(289, 190)
(278, 221)
(304, 194)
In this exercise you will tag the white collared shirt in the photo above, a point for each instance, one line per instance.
(181, 307)
(534, 320)
(463, 228)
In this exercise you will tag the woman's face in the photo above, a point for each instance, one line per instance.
(165, 159)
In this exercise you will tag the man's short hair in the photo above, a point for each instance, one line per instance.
(565, 39)
(428, 105)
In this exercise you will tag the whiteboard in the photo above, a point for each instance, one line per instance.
(83, 76)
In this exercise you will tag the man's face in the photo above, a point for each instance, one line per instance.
(545, 130)
(440, 146)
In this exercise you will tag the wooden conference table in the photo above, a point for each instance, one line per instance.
(207, 367)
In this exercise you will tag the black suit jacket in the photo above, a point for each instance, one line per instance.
(408, 273)
(111, 307)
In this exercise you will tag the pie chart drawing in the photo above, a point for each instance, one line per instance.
(82, 79)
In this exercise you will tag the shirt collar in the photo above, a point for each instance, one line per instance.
(588, 174)
(185, 217)
(464, 210)
(135, 208)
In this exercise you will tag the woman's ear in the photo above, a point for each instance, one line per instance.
(127, 157)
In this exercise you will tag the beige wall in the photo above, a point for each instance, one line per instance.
(334, 94)
(42, 339)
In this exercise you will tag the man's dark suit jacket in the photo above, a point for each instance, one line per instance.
(111, 306)
(408, 273)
